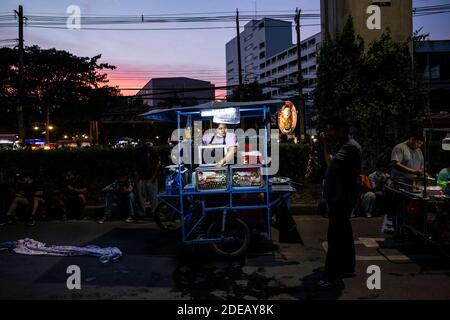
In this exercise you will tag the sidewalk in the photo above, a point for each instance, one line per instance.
(297, 209)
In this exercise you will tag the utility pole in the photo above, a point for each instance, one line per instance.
(301, 103)
(20, 78)
(47, 124)
(238, 39)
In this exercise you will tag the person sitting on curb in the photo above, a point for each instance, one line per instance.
(121, 193)
(25, 197)
(71, 198)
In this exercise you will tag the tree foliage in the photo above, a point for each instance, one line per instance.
(73, 88)
(374, 89)
(247, 92)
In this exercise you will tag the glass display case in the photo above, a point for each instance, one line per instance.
(210, 178)
(246, 176)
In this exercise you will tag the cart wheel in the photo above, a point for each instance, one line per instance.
(234, 228)
(167, 218)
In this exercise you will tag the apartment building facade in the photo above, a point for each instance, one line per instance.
(278, 73)
(269, 57)
(259, 39)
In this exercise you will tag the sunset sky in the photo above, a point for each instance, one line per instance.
(141, 55)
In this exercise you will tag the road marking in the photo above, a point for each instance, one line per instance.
(398, 257)
(325, 244)
(370, 242)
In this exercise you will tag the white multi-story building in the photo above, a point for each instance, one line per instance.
(278, 73)
(269, 57)
(259, 39)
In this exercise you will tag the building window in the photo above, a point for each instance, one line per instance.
(230, 62)
(261, 25)
(247, 38)
(262, 65)
(262, 55)
(249, 58)
(382, 3)
(262, 45)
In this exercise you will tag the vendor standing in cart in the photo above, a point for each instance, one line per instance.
(221, 136)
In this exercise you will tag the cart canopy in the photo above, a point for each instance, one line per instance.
(247, 109)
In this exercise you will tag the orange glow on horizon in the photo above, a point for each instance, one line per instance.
(130, 83)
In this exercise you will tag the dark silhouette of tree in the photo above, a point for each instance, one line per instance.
(73, 88)
(374, 89)
(247, 92)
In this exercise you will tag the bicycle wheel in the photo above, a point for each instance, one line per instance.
(167, 218)
(235, 228)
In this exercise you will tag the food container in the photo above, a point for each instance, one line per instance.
(210, 178)
(246, 176)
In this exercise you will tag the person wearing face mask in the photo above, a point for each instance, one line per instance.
(221, 136)
(407, 160)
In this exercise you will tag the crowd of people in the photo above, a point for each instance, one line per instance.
(349, 188)
(25, 197)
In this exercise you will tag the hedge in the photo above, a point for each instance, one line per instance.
(97, 165)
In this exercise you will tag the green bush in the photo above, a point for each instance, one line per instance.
(98, 166)
(293, 161)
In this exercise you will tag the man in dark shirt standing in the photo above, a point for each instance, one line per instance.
(340, 192)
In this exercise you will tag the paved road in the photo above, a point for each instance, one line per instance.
(157, 266)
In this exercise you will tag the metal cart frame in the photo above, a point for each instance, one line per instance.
(425, 199)
(261, 110)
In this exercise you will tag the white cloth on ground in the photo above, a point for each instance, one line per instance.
(36, 248)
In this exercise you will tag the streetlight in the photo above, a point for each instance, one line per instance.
(36, 128)
(65, 136)
(50, 128)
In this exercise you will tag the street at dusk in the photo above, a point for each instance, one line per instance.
(221, 159)
(155, 266)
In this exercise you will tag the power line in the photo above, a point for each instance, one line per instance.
(49, 21)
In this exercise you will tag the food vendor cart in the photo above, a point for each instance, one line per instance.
(423, 209)
(220, 206)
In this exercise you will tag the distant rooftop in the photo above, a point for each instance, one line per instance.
(433, 46)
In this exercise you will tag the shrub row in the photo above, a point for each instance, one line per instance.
(97, 166)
